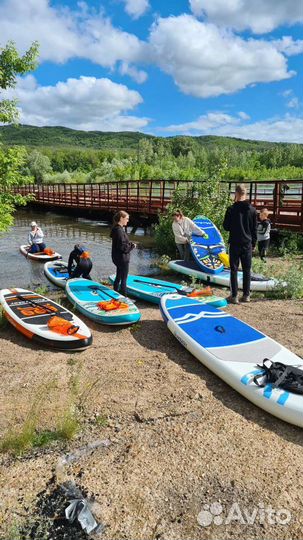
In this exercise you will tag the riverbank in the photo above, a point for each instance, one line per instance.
(180, 439)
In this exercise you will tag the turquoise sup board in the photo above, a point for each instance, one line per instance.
(232, 349)
(85, 295)
(206, 250)
(151, 290)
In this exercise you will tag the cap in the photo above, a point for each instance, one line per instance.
(79, 248)
(33, 224)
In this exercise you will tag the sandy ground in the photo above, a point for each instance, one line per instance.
(184, 445)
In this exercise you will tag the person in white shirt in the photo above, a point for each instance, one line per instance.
(183, 227)
(36, 239)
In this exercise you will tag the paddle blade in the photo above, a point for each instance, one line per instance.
(224, 258)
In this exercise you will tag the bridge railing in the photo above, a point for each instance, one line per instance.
(284, 199)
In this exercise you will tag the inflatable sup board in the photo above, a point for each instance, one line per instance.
(232, 349)
(40, 256)
(43, 321)
(190, 268)
(206, 250)
(101, 303)
(56, 272)
(151, 290)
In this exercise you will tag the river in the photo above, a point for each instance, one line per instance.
(62, 233)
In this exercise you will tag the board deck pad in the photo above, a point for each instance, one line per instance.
(206, 250)
(35, 314)
(234, 351)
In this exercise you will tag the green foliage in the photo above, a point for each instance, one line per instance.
(289, 242)
(3, 319)
(12, 160)
(42, 289)
(11, 65)
(288, 274)
(207, 198)
(39, 165)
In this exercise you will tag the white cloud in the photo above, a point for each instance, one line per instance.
(136, 8)
(293, 103)
(206, 61)
(260, 16)
(138, 75)
(285, 129)
(288, 46)
(65, 34)
(243, 115)
(86, 103)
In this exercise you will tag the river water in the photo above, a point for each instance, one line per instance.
(62, 233)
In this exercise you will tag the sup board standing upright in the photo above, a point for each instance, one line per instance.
(232, 349)
(205, 250)
(44, 321)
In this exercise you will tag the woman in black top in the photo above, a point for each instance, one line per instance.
(121, 248)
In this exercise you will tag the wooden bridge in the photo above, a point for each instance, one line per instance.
(284, 199)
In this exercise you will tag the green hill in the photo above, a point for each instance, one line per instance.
(63, 137)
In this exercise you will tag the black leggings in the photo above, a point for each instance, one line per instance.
(121, 277)
(237, 254)
(263, 247)
(83, 269)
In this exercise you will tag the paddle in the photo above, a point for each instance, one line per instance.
(183, 292)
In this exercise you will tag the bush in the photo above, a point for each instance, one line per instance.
(209, 198)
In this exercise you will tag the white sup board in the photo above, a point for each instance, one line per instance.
(40, 256)
(190, 268)
(232, 349)
(30, 313)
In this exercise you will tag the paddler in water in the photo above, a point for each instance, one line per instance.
(35, 239)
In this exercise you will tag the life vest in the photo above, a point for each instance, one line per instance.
(85, 255)
(280, 376)
(62, 326)
(49, 251)
(110, 305)
(207, 291)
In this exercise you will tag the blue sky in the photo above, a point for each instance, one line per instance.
(164, 67)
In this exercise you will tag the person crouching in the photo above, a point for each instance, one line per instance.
(81, 258)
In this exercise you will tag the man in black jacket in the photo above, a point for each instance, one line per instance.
(241, 222)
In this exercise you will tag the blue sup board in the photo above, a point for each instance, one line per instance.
(86, 295)
(56, 272)
(206, 250)
(232, 349)
(151, 290)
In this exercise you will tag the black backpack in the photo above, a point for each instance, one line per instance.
(280, 376)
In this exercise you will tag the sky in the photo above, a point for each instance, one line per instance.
(162, 67)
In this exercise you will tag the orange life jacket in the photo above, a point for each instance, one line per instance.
(85, 255)
(49, 251)
(62, 326)
(110, 305)
(207, 291)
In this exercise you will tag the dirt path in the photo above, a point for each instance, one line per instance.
(184, 445)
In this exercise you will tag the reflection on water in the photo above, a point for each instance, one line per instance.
(61, 233)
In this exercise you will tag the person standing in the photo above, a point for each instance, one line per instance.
(263, 233)
(36, 239)
(183, 228)
(83, 263)
(121, 249)
(241, 222)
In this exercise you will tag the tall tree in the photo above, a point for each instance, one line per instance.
(12, 159)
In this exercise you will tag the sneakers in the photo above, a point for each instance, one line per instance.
(245, 298)
(232, 299)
